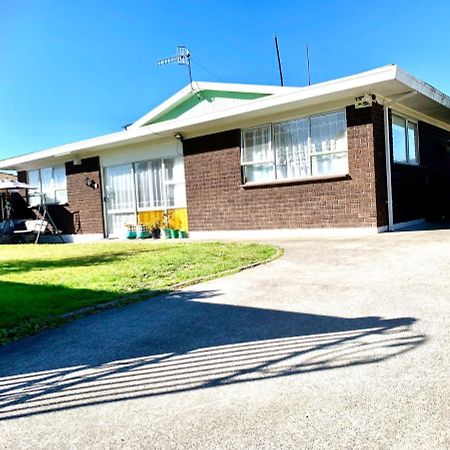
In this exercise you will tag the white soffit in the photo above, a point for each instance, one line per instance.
(387, 81)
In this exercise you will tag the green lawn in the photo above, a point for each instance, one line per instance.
(41, 282)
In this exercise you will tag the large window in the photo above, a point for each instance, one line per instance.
(160, 183)
(300, 148)
(405, 140)
(50, 182)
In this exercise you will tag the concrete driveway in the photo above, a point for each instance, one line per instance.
(341, 343)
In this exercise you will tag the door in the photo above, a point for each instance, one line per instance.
(120, 202)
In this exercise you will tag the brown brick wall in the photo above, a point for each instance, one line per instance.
(217, 200)
(86, 203)
(83, 213)
(424, 191)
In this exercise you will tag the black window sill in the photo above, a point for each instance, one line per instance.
(407, 165)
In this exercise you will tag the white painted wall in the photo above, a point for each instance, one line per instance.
(140, 152)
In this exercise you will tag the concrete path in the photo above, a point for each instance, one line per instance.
(341, 343)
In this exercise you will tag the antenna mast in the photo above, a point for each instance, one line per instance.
(183, 58)
(279, 59)
(307, 63)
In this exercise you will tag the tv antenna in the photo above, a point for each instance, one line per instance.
(182, 58)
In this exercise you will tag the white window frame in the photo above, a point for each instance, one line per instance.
(39, 188)
(407, 120)
(267, 161)
(273, 151)
(165, 183)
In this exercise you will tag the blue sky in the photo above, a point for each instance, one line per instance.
(76, 69)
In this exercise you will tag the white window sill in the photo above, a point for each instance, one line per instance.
(49, 204)
(303, 180)
(161, 208)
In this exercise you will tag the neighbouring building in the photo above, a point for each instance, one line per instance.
(368, 152)
(7, 176)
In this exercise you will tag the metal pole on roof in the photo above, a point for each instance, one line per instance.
(279, 59)
(307, 63)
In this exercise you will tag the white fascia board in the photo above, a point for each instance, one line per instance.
(167, 128)
(171, 102)
(283, 101)
(422, 87)
(72, 148)
(199, 86)
(244, 88)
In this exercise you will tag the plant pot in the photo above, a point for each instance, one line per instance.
(174, 234)
(142, 232)
(183, 234)
(156, 233)
(130, 231)
(166, 234)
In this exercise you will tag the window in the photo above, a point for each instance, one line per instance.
(160, 183)
(300, 148)
(405, 140)
(149, 184)
(50, 182)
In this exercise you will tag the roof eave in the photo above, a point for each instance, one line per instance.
(385, 80)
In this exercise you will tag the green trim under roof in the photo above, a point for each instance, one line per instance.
(203, 96)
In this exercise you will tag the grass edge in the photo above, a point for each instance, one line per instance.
(32, 327)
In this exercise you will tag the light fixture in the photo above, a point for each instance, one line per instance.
(179, 137)
(89, 182)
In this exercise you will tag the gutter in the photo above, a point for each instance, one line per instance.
(387, 146)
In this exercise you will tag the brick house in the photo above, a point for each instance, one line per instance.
(365, 153)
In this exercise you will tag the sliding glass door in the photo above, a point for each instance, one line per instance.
(151, 185)
(120, 199)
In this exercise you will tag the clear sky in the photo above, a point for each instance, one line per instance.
(74, 69)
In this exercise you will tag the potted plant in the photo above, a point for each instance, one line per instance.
(166, 230)
(156, 230)
(130, 231)
(142, 231)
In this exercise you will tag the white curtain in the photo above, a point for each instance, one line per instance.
(60, 184)
(329, 152)
(256, 145)
(303, 147)
(291, 147)
(120, 188)
(258, 151)
(47, 185)
(35, 181)
(149, 188)
(154, 190)
(174, 181)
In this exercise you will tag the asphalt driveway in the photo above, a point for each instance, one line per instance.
(341, 343)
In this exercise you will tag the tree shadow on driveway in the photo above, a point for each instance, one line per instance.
(182, 342)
